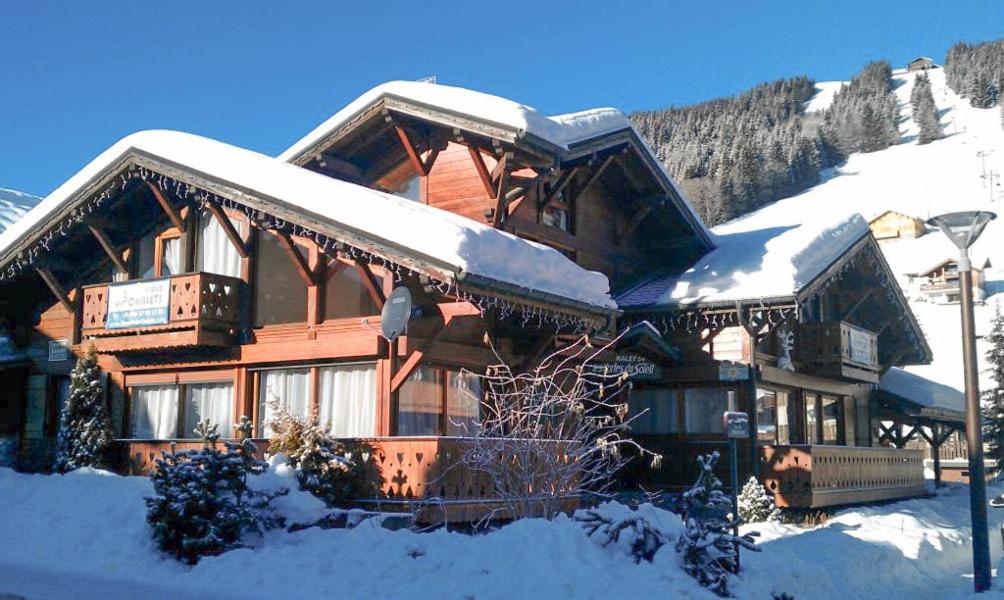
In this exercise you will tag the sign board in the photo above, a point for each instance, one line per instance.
(733, 371)
(638, 368)
(737, 424)
(861, 346)
(138, 304)
(59, 350)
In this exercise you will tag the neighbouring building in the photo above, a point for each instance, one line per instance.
(892, 225)
(921, 63)
(216, 282)
(939, 283)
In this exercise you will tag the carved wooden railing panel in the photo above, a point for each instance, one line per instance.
(839, 349)
(816, 476)
(206, 305)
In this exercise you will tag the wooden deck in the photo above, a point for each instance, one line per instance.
(422, 475)
(819, 476)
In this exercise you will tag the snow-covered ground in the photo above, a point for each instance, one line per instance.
(84, 535)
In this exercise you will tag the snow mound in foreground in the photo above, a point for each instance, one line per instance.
(89, 526)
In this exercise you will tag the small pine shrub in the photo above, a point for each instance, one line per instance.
(756, 504)
(330, 469)
(643, 538)
(85, 431)
(203, 505)
(708, 547)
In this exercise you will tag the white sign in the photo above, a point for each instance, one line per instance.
(138, 304)
(737, 424)
(861, 346)
(59, 350)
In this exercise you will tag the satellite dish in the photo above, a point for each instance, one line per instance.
(395, 314)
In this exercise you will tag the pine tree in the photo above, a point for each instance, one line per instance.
(756, 504)
(925, 112)
(85, 432)
(993, 398)
(708, 547)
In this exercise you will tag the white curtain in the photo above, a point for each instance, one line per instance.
(172, 257)
(290, 389)
(348, 400)
(154, 412)
(213, 401)
(216, 252)
(463, 403)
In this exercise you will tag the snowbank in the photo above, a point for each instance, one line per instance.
(411, 229)
(84, 535)
(825, 91)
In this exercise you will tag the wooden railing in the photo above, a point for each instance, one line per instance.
(421, 474)
(204, 310)
(839, 349)
(817, 476)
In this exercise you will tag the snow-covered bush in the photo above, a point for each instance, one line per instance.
(641, 537)
(333, 470)
(708, 546)
(203, 505)
(756, 504)
(85, 431)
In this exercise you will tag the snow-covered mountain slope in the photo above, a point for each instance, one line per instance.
(917, 180)
(13, 206)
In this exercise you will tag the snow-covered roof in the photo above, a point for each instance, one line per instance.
(753, 263)
(559, 130)
(474, 254)
(14, 205)
(922, 391)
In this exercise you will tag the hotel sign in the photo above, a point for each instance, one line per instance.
(638, 368)
(138, 304)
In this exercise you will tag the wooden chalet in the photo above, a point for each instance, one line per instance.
(795, 325)
(892, 225)
(939, 283)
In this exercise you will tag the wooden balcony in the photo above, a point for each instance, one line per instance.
(818, 476)
(839, 350)
(423, 475)
(203, 310)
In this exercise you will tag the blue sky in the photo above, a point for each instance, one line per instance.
(76, 76)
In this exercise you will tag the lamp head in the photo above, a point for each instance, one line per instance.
(962, 227)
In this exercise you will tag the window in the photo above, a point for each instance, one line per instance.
(463, 403)
(157, 410)
(154, 411)
(286, 389)
(216, 253)
(653, 410)
(436, 401)
(345, 295)
(419, 403)
(811, 417)
(347, 400)
(833, 417)
(145, 258)
(772, 417)
(171, 257)
(280, 293)
(209, 401)
(703, 408)
(557, 217)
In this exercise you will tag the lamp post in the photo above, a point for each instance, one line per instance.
(963, 228)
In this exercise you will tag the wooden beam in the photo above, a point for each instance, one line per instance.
(422, 166)
(501, 209)
(637, 218)
(109, 249)
(857, 304)
(593, 177)
(370, 284)
(56, 289)
(479, 165)
(563, 180)
(450, 311)
(287, 243)
(228, 228)
(168, 208)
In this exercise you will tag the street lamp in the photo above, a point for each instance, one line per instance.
(963, 228)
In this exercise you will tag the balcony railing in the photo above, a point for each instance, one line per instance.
(839, 349)
(817, 476)
(202, 309)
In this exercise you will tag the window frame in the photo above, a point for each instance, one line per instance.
(180, 381)
(442, 371)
